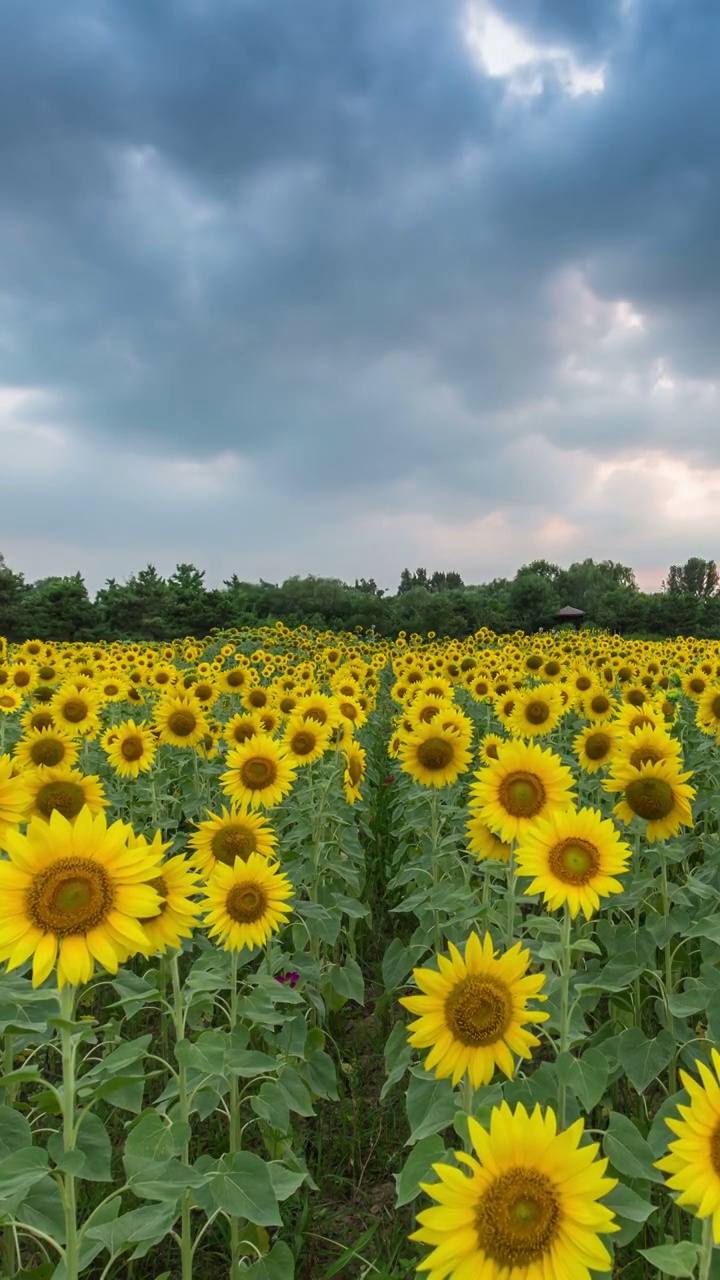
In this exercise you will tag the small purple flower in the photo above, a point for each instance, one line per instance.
(292, 977)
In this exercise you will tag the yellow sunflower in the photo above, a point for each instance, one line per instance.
(573, 856)
(180, 720)
(320, 707)
(62, 790)
(354, 771)
(707, 711)
(46, 747)
(472, 1013)
(536, 711)
(75, 892)
(176, 884)
(132, 749)
(246, 903)
(227, 836)
(10, 700)
(242, 726)
(305, 740)
(523, 784)
(656, 792)
(693, 1161)
(597, 705)
(434, 756)
(489, 746)
(596, 746)
(647, 744)
(260, 773)
(529, 1209)
(484, 843)
(14, 798)
(76, 710)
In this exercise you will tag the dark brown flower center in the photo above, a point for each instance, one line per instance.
(75, 710)
(598, 745)
(182, 723)
(478, 1011)
(303, 743)
(233, 842)
(257, 698)
(355, 770)
(132, 748)
(574, 861)
(650, 798)
(600, 705)
(435, 754)
(537, 712)
(72, 896)
(522, 794)
(246, 903)
(47, 751)
(67, 797)
(258, 772)
(517, 1219)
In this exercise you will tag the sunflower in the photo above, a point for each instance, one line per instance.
(647, 743)
(529, 1209)
(573, 857)
(259, 773)
(49, 747)
(14, 798)
(233, 680)
(132, 750)
(597, 705)
(656, 792)
(434, 756)
(242, 726)
(489, 746)
(37, 718)
(75, 893)
(246, 903)
(320, 707)
(176, 884)
(22, 678)
(596, 746)
(227, 836)
(693, 1161)
(472, 1013)
(10, 700)
(523, 784)
(707, 711)
(180, 720)
(694, 684)
(76, 710)
(484, 843)
(537, 711)
(305, 740)
(64, 790)
(354, 771)
(426, 707)
(649, 716)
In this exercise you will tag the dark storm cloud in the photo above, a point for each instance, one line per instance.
(316, 235)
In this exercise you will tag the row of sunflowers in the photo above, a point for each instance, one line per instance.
(185, 901)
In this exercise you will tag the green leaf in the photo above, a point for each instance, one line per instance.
(431, 1105)
(397, 964)
(250, 1062)
(628, 1151)
(91, 1159)
(319, 1075)
(296, 1094)
(642, 1059)
(42, 1207)
(418, 1167)
(285, 1181)
(241, 1186)
(272, 1106)
(207, 1055)
(15, 1132)
(632, 1211)
(348, 981)
(147, 1226)
(21, 1170)
(278, 1264)
(673, 1259)
(588, 1076)
(162, 1179)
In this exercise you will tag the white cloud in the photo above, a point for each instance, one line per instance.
(504, 51)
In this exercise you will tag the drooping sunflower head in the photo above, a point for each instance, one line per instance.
(246, 903)
(707, 713)
(176, 886)
(472, 1014)
(524, 783)
(14, 797)
(573, 857)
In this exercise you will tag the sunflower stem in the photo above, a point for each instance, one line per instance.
(9, 1253)
(66, 998)
(564, 1038)
(235, 1136)
(706, 1250)
(468, 1105)
(510, 899)
(179, 1017)
(435, 827)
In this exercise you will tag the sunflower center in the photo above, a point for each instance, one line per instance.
(355, 770)
(257, 698)
(650, 798)
(7, 700)
(244, 730)
(537, 712)
(478, 1011)
(258, 773)
(43, 693)
(597, 745)
(181, 723)
(697, 685)
(534, 662)
(574, 861)
(715, 707)
(22, 678)
(491, 750)
(75, 710)
(230, 843)
(246, 903)
(552, 668)
(159, 884)
(67, 797)
(49, 751)
(303, 742)
(517, 1218)
(428, 713)
(522, 794)
(435, 753)
(132, 748)
(715, 1149)
(41, 720)
(235, 679)
(636, 697)
(318, 714)
(348, 710)
(72, 896)
(645, 755)
(600, 704)
(582, 683)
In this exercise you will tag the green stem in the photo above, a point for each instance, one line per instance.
(68, 1044)
(179, 1016)
(564, 1038)
(468, 1105)
(235, 1129)
(435, 826)
(510, 899)
(9, 1252)
(706, 1251)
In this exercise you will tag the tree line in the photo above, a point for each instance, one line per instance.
(148, 606)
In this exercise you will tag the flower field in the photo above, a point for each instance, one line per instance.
(328, 955)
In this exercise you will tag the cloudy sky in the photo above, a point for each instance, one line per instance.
(335, 286)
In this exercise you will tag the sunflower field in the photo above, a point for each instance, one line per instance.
(332, 955)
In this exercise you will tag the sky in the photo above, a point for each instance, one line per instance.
(339, 286)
